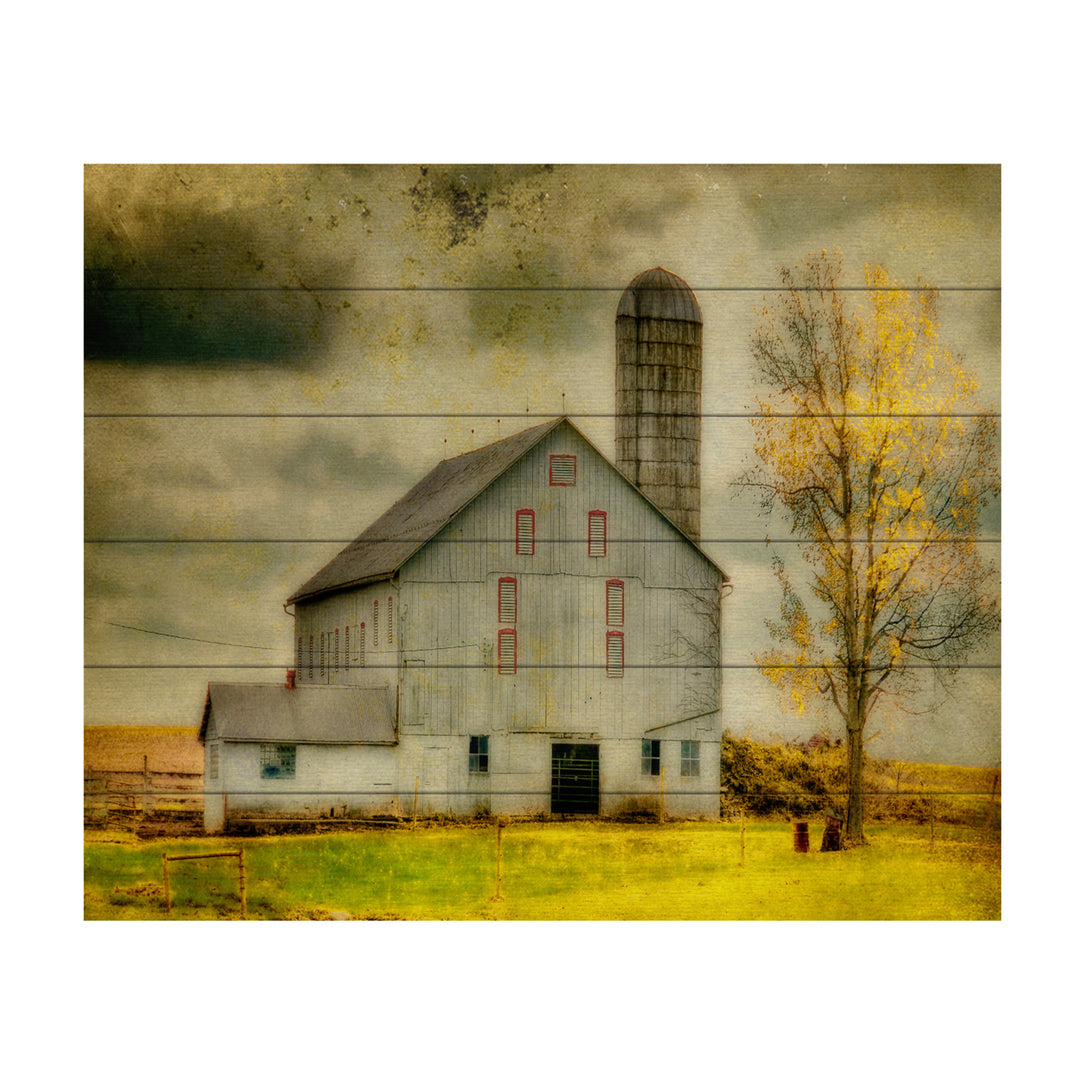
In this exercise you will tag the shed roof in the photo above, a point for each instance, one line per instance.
(659, 294)
(381, 549)
(256, 712)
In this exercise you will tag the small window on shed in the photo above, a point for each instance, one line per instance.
(526, 532)
(507, 599)
(507, 652)
(650, 757)
(597, 532)
(690, 761)
(562, 470)
(278, 762)
(614, 603)
(478, 753)
(614, 654)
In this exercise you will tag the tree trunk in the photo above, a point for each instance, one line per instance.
(853, 826)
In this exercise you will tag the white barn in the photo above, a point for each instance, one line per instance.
(524, 632)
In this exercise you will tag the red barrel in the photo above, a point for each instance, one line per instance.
(802, 836)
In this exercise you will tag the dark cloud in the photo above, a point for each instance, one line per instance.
(188, 272)
(324, 464)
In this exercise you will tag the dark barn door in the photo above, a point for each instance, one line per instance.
(575, 778)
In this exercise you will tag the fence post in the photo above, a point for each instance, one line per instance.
(498, 858)
(145, 785)
(165, 875)
(990, 808)
(243, 886)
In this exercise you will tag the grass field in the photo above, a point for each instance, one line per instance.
(552, 871)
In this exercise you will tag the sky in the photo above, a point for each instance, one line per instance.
(244, 324)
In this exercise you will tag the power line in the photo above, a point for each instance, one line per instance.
(182, 637)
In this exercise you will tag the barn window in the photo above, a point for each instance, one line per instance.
(347, 646)
(526, 532)
(597, 532)
(212, 766)
(690, 762)
(322, 655)
(375, 624)
(361, 647)
(278, 761)
(650, 757)
(311, 657)
(507, 652)
(507, 599)
(614, 654)
(300, 656)
(337, 649)
(478, 753)
(562, 470)
(390, 620)
(614, 603)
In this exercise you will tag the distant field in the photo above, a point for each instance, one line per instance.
(586, 870)
(121, 749)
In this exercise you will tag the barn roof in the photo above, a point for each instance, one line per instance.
(414, 519)
(385, 546)
(256, 712)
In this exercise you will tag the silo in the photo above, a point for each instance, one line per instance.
(658, 394)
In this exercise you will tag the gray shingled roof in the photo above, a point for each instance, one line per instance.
(380, 550)
(659, 294)
(257, 712)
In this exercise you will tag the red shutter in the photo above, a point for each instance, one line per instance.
(507, 599)
(507, 652)
(562, 470)
(614, 654)
(615, 603)
(375, 624)
(390, 620)
(597, 532)
(526, 532)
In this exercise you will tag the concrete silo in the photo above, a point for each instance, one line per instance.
(658, 332)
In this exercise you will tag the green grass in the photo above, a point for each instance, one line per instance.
(587, 870)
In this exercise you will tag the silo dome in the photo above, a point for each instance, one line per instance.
(658, 335)
(659, 294)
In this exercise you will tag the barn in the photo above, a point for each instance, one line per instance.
(531, 629)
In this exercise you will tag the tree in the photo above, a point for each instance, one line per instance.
(869, 440)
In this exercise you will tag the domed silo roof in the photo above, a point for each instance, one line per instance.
(659, 294)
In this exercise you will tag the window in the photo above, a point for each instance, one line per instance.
(562, 470)
(322, 655)
(478, 753)
(390, 620)
(375, 624)
(597, 532)
(690, 762)
(348, 645)
(650, 757)
(614, 603)
(361, 648)
(525, 532)
(311, 657)
(337, 649)
(614, 654)
(278, 762)
(507, 599)
(507, 652)
(212, 765)
(300, 656)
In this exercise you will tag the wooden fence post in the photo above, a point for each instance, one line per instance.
(243, 886)
(498, 859)
(165, 875)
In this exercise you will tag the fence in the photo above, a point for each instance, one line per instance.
(124, 798)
